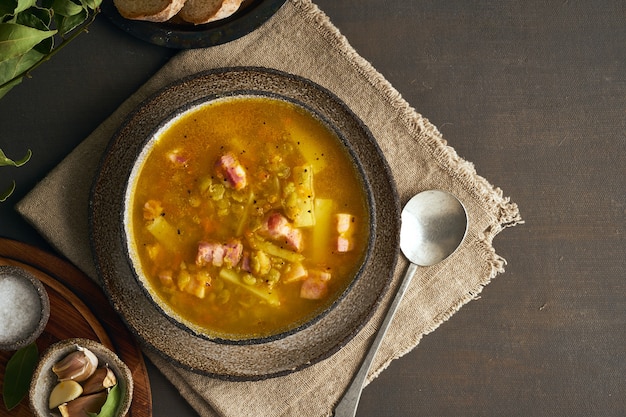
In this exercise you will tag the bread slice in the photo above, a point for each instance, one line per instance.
(205, 11)
(150, 10)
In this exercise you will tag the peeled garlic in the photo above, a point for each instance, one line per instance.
(77, 366)
(63, 392)
(101, 379)
(80, 407)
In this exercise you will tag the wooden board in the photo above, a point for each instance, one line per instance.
(78, 308)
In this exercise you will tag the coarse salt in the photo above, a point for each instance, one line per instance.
(20, 309)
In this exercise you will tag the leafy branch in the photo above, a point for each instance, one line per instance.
(30, 31)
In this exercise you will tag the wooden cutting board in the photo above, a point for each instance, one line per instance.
(78, 308)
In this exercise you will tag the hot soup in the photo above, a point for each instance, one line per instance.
(248, 217)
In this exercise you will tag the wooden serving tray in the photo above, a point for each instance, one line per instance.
(78, 308)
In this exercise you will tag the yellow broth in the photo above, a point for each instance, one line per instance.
(248, 217)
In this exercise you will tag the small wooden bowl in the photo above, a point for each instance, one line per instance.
(44, 380)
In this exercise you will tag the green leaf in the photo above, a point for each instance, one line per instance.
(16, 66)
(24, 5)
(13, 8)
(66, 24)
(7, 193)
(38, 18)
(109, 408)
(91, 4)
(18, 374)
(4, 161)
(17, 39)
(9, 86)
(66, 8)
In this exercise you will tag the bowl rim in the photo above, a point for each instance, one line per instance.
(44, 300)
(146, 149)
(237, 362)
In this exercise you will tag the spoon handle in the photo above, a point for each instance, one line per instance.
(349, 402)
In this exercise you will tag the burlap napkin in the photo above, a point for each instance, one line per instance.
(300, 39)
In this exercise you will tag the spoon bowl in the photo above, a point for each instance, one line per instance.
(434, 223)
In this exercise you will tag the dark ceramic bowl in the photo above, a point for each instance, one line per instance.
(251, 15)
(25, 286)
(44, 380)
(164, 331)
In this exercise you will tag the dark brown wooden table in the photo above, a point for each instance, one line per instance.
(534, 93)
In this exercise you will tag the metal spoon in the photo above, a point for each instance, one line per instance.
(434, 223)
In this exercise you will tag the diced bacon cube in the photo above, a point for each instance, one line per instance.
(277, 227)
(345, 230)
(313, 289)
(232, 171)
(294, 239)
(245, 262)
(344, 222)
(210, 253)
(233, 252)
(217, 254)
(319, 274)
(344, 244)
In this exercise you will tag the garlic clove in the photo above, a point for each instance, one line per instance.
(82, 406)
(101, 379)
(78, 365)
(63, 392)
